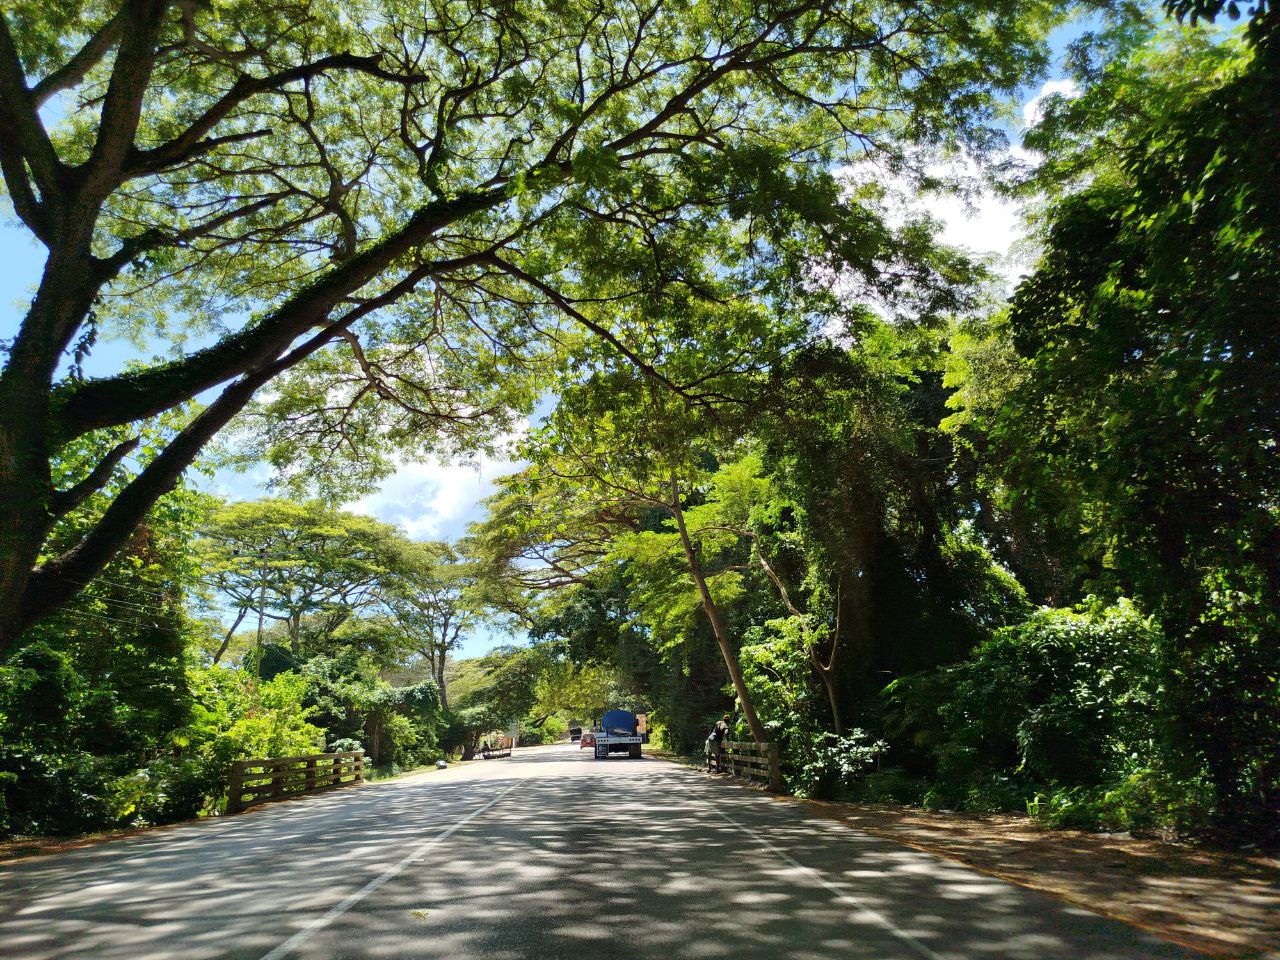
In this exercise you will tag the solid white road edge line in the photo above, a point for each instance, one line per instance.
(841, 895)
(338, 909)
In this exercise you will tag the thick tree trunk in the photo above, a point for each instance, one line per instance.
(27, 496)
(441, 655)
(64, 218)
(25, 520)
(470, 745)
(717, 623)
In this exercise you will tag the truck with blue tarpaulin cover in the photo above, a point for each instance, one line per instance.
(619, 733)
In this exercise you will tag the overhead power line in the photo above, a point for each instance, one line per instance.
(128, 623)
(127, 586)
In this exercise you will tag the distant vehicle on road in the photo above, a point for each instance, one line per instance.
(619, 732)
(575, 734)
(588, 739)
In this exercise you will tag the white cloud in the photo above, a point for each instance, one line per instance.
(982, 222)
(1033, 109)
(252, 483)
(437, 499)
(434, 500)
(978, 220)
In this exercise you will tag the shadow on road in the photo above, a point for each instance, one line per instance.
(635, 861)
(582, 859)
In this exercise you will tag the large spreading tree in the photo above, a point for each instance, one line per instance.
(300, 565)
(393, 212)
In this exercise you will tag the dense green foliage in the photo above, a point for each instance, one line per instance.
(127, 709)
(1129, 420)
(1024, 560)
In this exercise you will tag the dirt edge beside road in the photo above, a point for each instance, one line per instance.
(1221, 904)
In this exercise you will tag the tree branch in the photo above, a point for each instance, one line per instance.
(25, 205)
(74, 70)
(126, 90)
(563, 303)
(108, 267)
(64, 501)
(192, 141)
(133, 396)
(24, 142)
(226, 640)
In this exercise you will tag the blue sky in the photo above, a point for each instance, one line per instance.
(432, 500)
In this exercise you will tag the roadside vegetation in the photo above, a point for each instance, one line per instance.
(949, 539)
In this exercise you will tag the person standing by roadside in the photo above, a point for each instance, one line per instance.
(716, 741)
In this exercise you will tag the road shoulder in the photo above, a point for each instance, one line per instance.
(1220, 904)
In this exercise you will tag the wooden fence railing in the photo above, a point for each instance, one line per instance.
(755, 761)
(257, 781)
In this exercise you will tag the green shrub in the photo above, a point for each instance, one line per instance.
(1058, 714)
(550, 730)
(402, 744)
(52, 784)
(1148, 800)
(659, 736)
(7, 782)
(237, 718)
(393, 725)
(532, 736)
(58, 793)
(556, 728)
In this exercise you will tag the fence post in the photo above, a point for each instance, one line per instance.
(235, 789)
(359, 768)
(775, 767)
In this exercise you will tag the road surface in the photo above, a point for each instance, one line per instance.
(548, 855)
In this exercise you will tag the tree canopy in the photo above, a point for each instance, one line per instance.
(396, 215)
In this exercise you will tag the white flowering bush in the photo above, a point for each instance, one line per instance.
(827, 765)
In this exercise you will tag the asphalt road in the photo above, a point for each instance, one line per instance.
(548, 855)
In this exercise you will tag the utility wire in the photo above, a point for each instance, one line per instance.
(128, 623)
(126, 586)
(123, 603)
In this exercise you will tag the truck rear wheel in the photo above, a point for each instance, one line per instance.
(634, 751)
